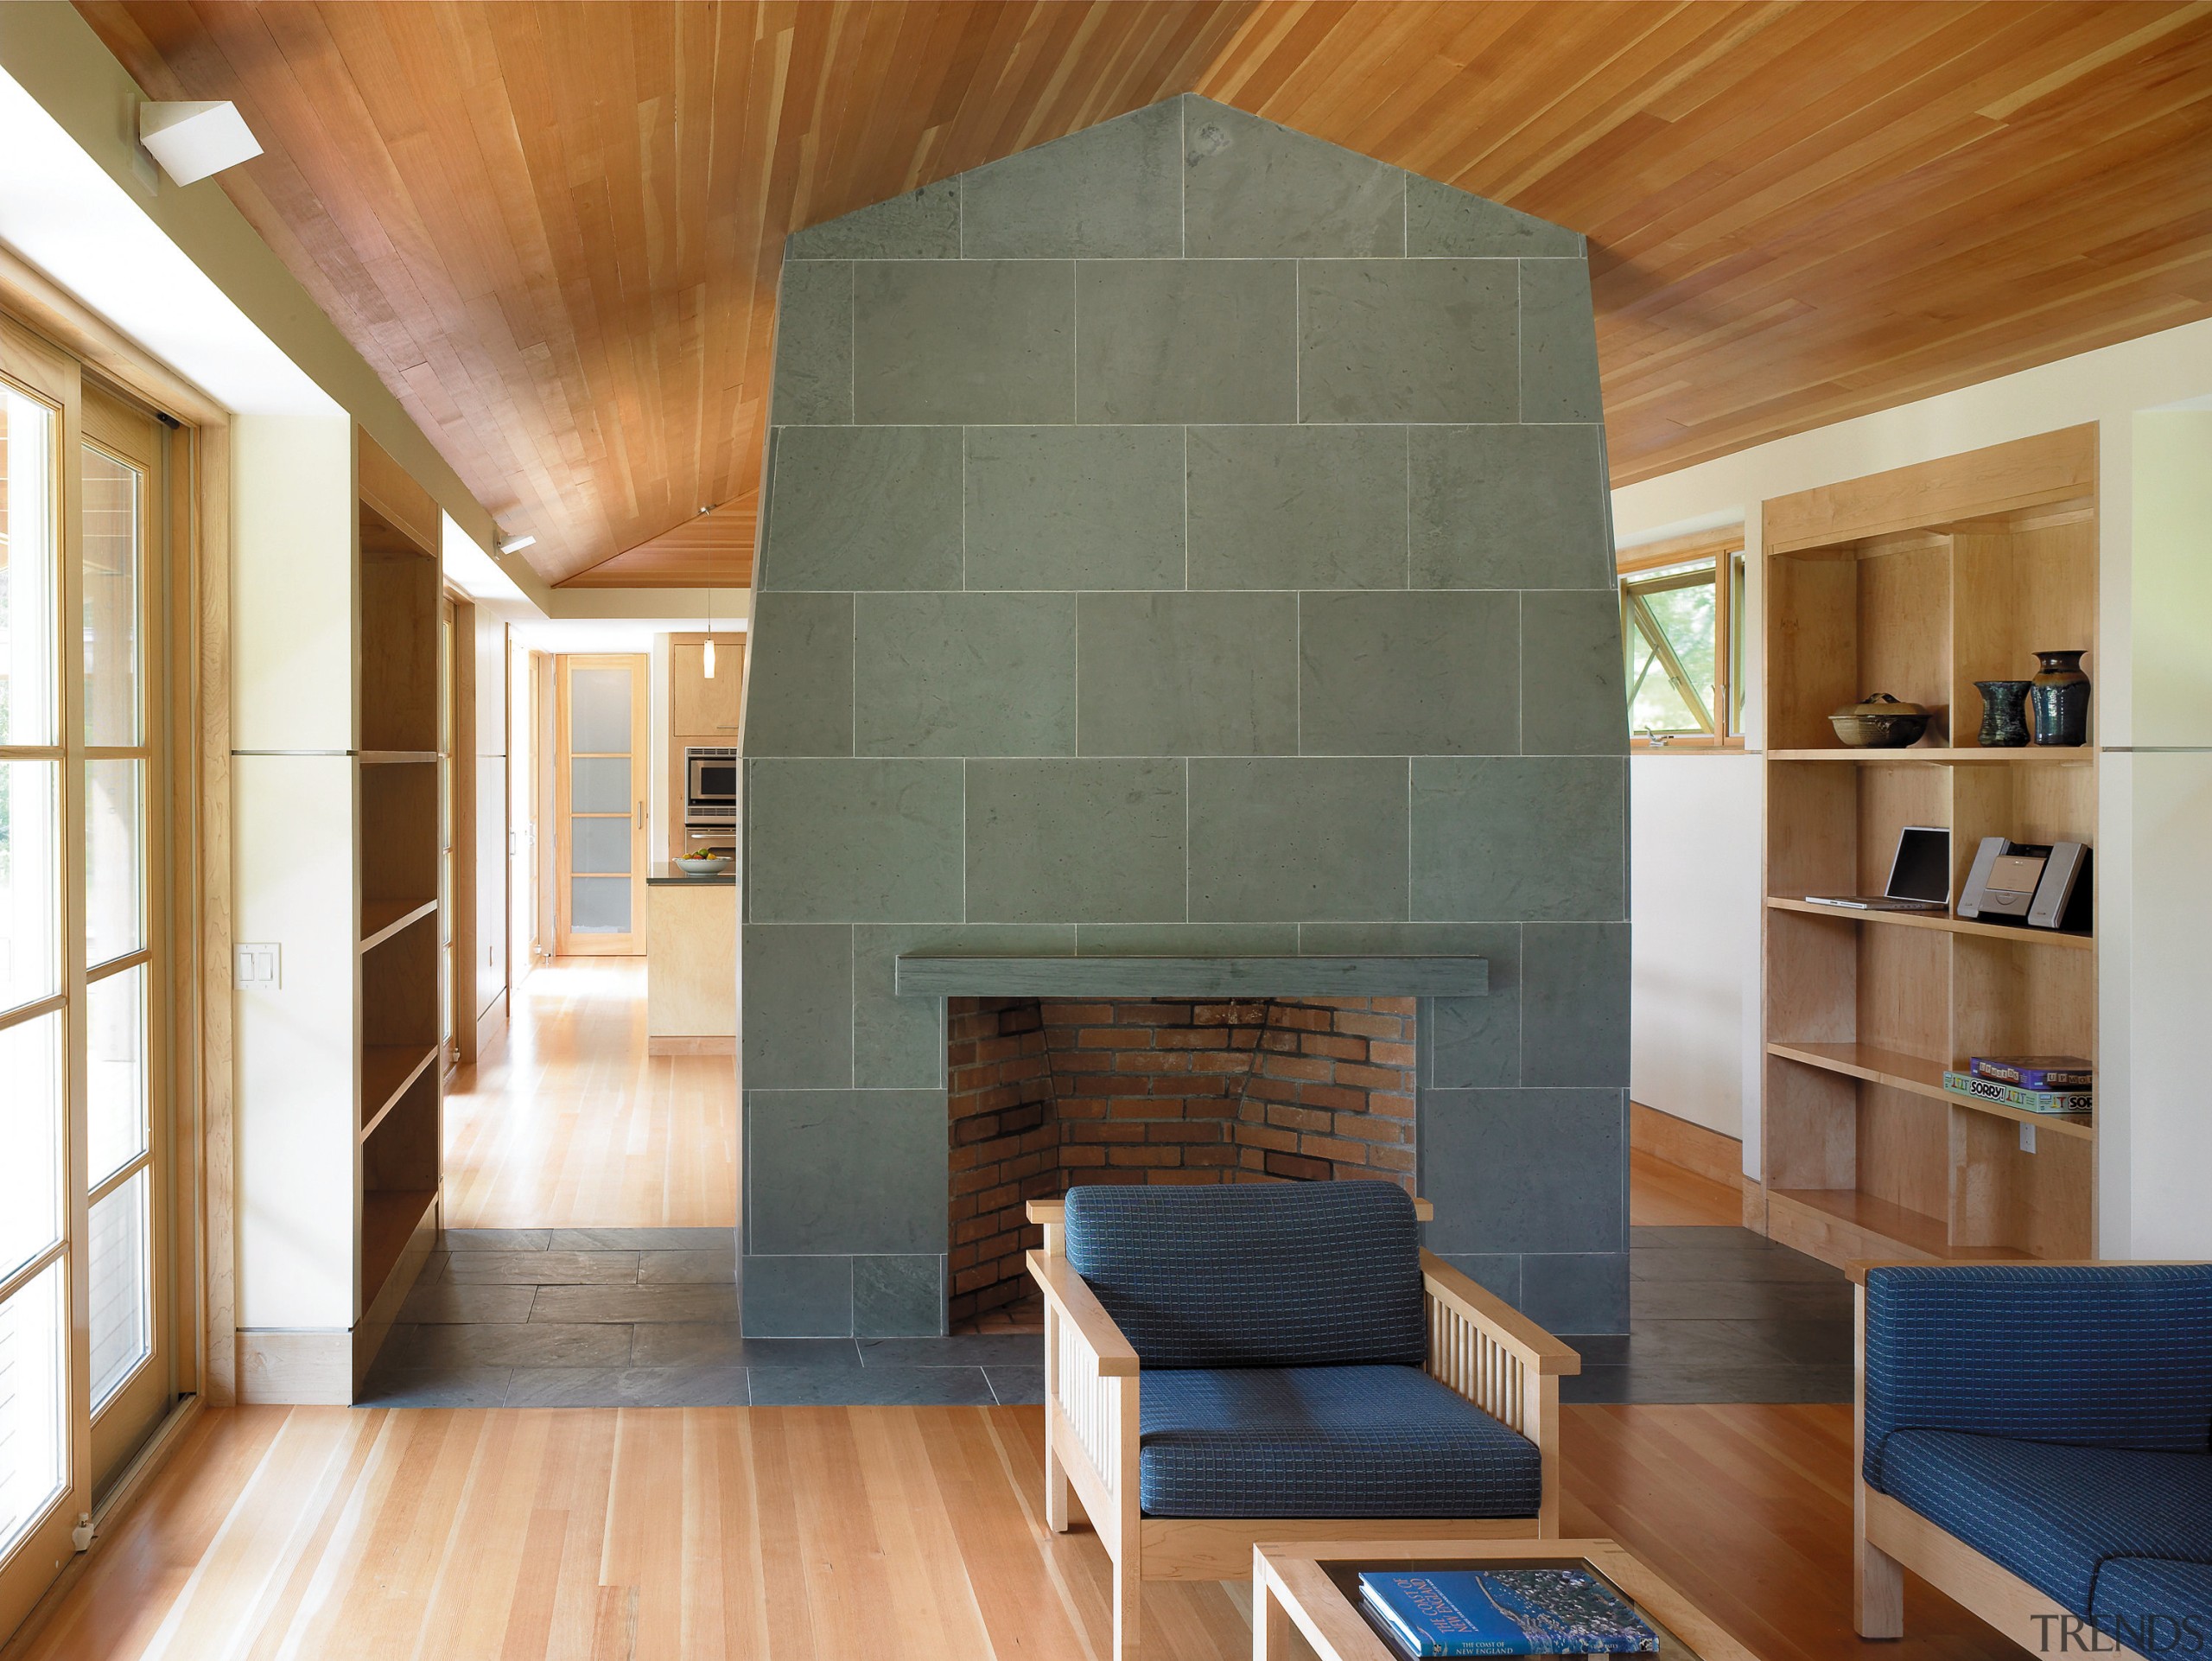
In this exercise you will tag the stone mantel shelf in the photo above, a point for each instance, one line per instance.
(926, 974)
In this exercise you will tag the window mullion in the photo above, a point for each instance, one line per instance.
(123, 1173)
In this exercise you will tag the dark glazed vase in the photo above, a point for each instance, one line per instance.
(2059, 696)
(2003, 714)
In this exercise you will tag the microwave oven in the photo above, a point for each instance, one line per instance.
(709, 785)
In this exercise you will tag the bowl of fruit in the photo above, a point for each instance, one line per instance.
(703, 864)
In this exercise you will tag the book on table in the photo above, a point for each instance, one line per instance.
(1504, 1611)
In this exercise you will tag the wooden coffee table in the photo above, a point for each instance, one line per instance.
(1315, 1589)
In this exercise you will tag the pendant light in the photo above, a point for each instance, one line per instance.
(707, 657)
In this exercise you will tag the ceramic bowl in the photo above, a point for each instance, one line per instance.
(714, 867)
(1880, 723)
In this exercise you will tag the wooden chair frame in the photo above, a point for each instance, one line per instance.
(1480, 1346)
(1891, 1536)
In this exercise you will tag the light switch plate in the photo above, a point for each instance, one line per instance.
(2027, 1139)
(259, 967)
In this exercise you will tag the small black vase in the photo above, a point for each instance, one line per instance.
(2003, 714)
(2059, 696)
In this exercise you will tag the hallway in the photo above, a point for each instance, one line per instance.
(566, 1122)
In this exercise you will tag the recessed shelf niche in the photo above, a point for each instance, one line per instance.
(1919, 583)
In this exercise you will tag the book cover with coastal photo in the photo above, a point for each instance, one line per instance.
(1504, 1611)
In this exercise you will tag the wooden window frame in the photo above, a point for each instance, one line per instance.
(184, 745)
(1725, 551)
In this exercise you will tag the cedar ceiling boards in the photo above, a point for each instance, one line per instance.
(555, 229)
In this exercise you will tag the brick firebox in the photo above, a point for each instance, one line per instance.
(1049, 1092)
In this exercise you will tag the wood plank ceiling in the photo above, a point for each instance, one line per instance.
(555, 228)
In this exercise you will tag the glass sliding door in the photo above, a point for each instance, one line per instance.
(85, 1368)
(126, 1186)
(599, 808)
(43, 1481)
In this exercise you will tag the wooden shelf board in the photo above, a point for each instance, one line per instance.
(1942, 921)
(1914, 1073)
(2079, 756)
(1921, 1077)
(389, 1220)
(382, 919)
(2081, 1126)
(1890, 1229)
(1914, 1233)
(387, 1070)
(394, 758)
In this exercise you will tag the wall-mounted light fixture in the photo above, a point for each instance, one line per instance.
(515, 544)
(193, 140)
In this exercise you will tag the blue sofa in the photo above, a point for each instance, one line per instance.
(1227, 1365)
(2036, 1441)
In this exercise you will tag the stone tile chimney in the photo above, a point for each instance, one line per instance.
(1186, 537)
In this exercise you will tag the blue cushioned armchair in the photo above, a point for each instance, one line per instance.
(1280, 1361)
(2035, 1440)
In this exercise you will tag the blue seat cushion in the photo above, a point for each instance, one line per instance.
(2055, 1515)
(2101, 1355)
(2155, 1605)
(1268, 1274)
(1326, 1441)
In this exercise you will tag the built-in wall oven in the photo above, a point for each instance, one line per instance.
(709, 786)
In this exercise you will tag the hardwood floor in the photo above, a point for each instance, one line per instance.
(565, 1122)
(1663, 1195)
(809, 1533)
(828, 1534)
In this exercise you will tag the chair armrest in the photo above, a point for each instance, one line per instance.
(1506, 1326)
(1076, 1304)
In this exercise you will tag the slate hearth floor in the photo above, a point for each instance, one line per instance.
(1721, 1315)
(648, 1318)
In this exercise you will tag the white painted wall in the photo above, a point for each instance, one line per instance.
(292, 532)
(292, 837)
(1693, 856)
(2154, 717)
(292, 845)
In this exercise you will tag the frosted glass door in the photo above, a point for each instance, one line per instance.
(602, 811)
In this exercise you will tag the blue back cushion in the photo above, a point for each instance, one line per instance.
(2094, 1357)
(1267, 1275)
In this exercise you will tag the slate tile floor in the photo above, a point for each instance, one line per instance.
(1721, 1315)
(648, 1318)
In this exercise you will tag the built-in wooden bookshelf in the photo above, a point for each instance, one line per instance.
(1919, 583)
(399, 586)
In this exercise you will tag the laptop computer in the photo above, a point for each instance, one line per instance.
(1920, 877)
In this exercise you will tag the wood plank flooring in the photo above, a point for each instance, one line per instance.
(565, 1122)
(834, 1534)
(1662, 1194)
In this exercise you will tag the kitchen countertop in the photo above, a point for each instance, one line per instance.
(669, 875)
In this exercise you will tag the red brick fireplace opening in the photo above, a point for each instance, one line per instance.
(1046, 1093)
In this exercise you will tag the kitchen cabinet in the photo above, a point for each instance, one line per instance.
(706, 709)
